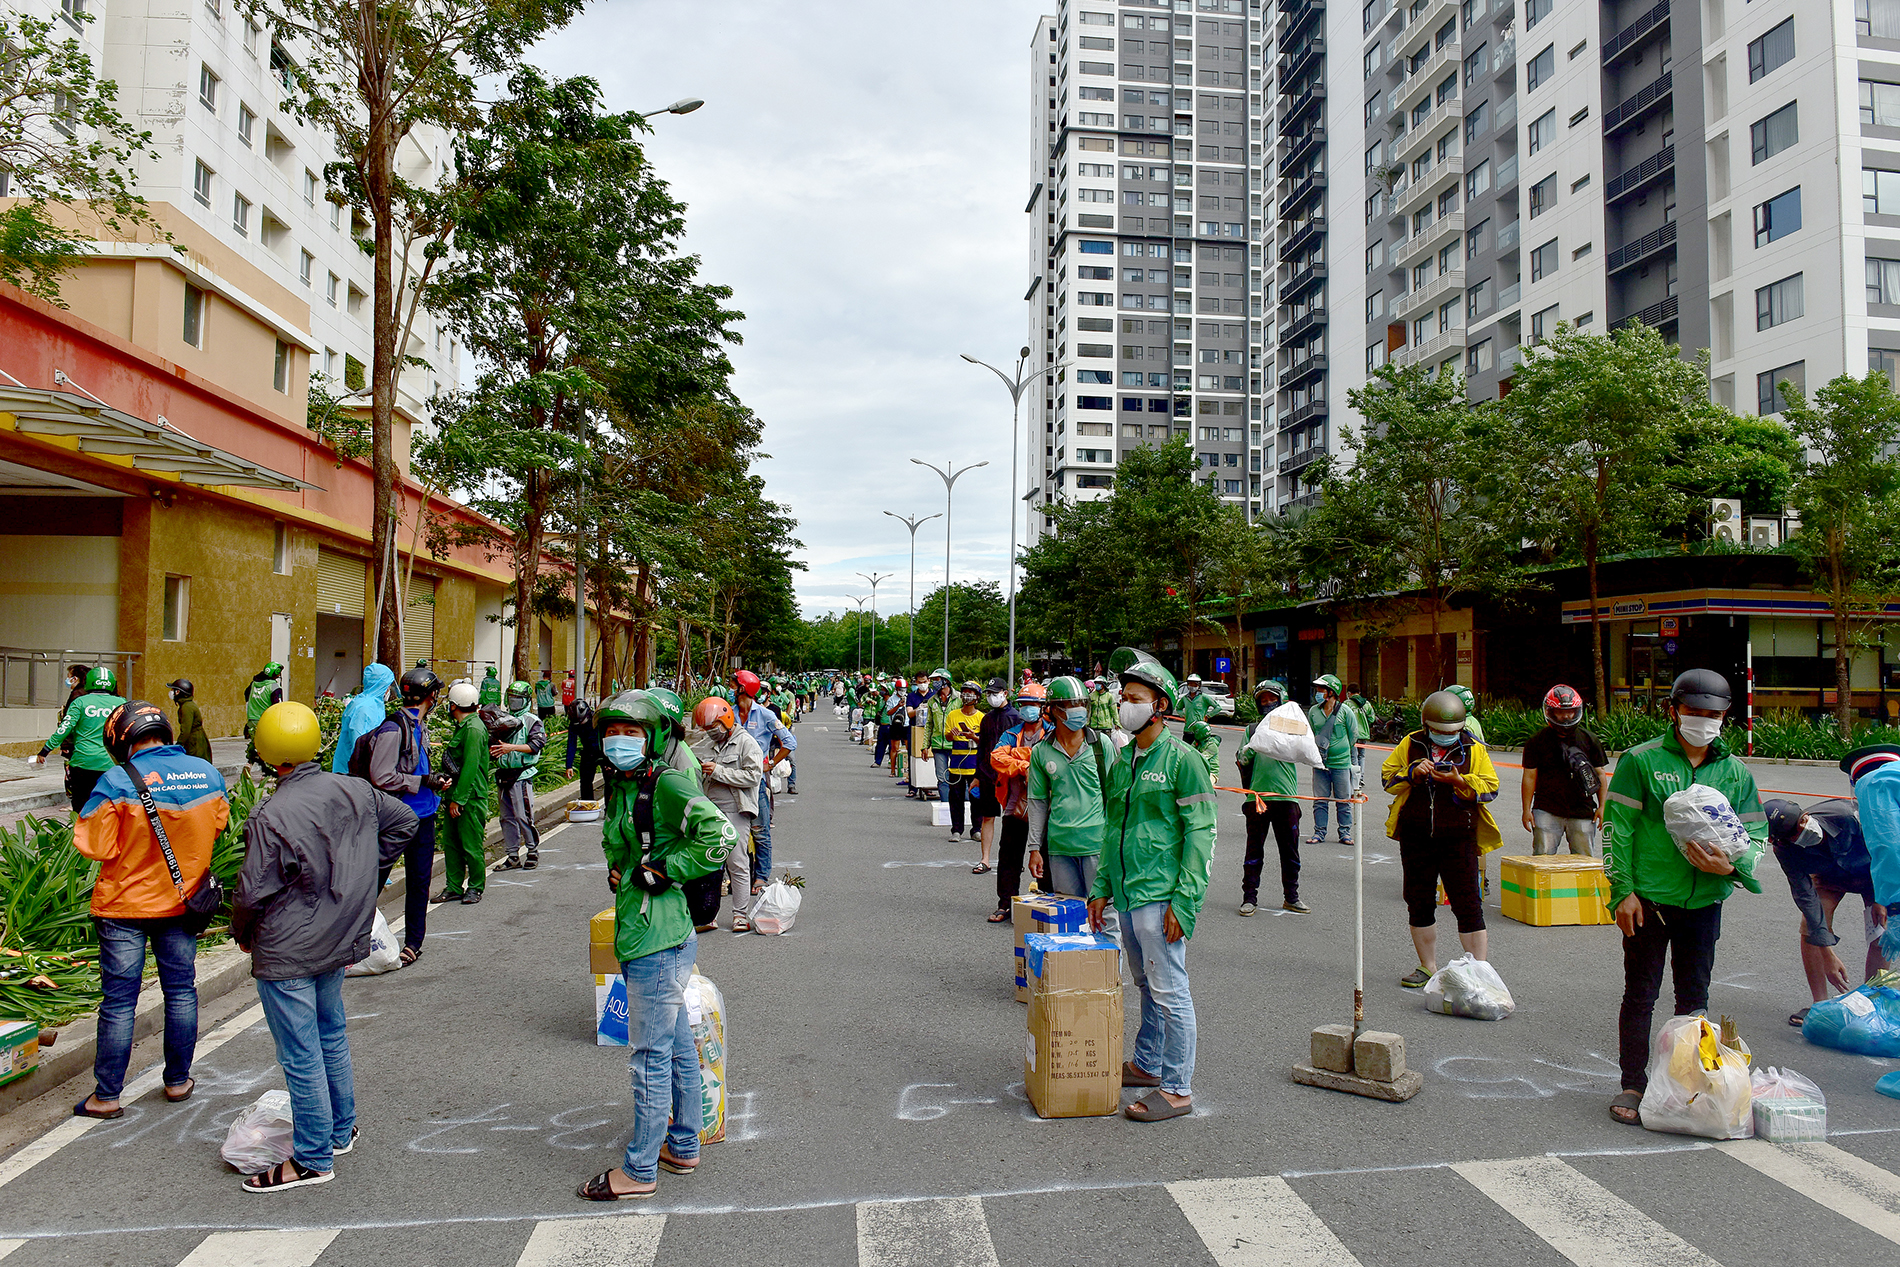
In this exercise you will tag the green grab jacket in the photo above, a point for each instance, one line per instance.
(1102, 711)
(1638, 851)
(465, 759)
(1158, 839)
(85, 724)
(690, 837)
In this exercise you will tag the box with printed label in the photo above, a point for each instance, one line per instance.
(1554, 889)
(1043, 913)
(600, 945)
(19, 1050)
(1072, 1061)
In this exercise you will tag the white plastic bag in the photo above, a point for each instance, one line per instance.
(706, 1013)
(774, 910)
(260, 1137)
(1702, 814)
(1286, 736)
(1697, 1085)
(1468, 986)
(1788, 1108)
(384, 954)
(776, 781)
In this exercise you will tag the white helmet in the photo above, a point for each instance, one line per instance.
(464, 695)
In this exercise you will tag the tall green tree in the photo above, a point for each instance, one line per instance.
(979, 623)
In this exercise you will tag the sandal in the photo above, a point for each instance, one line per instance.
(510, 863)
(1000, 915)
(1799, 1018)
(191, 1084)
(600, 1188)
(104, 1115)
(1154, 1107)
(981, 868)
(1132, 1076)
(1629, 1102)
(409, 955)
(677, 1165)
(1416, 979)
(290, 1174)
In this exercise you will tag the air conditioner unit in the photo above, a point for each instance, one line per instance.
(1725, 520)
(1790, 526)
(1764, 534)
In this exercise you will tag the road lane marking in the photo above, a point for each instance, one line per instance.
(604, 1241)
(1840, 1181)
(7, 1247)
(1258, 1223)
(949, 1232)
(261, 1249)
(1577, 1216)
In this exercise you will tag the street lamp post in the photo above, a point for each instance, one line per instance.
(859, 625)
(874, 578)
(914, 523)
(949, 478)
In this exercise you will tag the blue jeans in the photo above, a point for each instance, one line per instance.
(1336, 784)
(1074, 877)
(664, 1061)
(791, 776)
(121, 964)
(305, 1015)
(1164, 1045)
(941, 758)
(762, 829)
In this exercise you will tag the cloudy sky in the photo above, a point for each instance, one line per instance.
(857, 176)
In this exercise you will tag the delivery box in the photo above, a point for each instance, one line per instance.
(1043, 913)
(600, 945)
(19, 1050)
(1072, 1063)
(1555, 889)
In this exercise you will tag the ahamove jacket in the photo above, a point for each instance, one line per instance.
(134, 882)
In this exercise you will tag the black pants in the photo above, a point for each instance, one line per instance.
(1284, 818)
(1451, 856)
(957, 791)
(1012, 837)
(1688, 938)
(590, 761)
(418, 864)
(79, 785)
(883, 741)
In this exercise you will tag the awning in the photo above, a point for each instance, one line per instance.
(88, 427)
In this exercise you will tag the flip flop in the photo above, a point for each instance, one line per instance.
(1154, 1107)
(1627, 1100)
(981, 868)
(410, 954)
(1133, 1077)
(600, 1188)
(80, 1110)
(1000, 915)
(191, 1084)
(1799, 1018)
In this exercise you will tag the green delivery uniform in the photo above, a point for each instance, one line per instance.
(689, 838)
(1068, 791)
(1102, 710)
(266, 688)
(1201, 737)
(936, 717)
(85, 724)
(1158, 834)
(465, 759)
(1195, 709)
(191, 730)
(1276, 780)
(1638, 851)
(491, 689)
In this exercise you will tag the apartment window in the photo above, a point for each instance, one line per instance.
(1375, 255)
(241, 215)
(1883, 281)
(1772, 51)
(1478, 300)
(1544, 324)
(1478, 357)
(1781, 215)
(201, 183)
(1880, 192)
(1541, 67)
(1781, 301)
(194, 316)
(1543, 195)
(1478, 180)
(306, 265)
(1375, 305)
(1544, 260)
(280, 369)
(1879, 104)
(1535, 11)
(1448, 202)
(177, 599)
(73, 10)
(331, 287)
(1474, 66)
(252, 31)
(247, 123)
(1375, 355)
(207, 89)
(1578, 48)
(336, 215)
(1477, 122)
(280, 550)
(1773, 134)
(1474, 238)
(1768, 394)
(1543, 131)
(1879, 18)
(1886, 362)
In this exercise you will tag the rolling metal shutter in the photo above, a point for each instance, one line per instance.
(341, 579)
(418, 621)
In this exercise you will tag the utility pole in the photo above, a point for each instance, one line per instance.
(858, 626)
(949, 478)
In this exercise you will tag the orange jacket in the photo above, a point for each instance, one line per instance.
(134, 882)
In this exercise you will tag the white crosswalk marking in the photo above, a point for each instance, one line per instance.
(1577, 1216)
(628, 1240)
(261, 1249)
(947, 1233)
(7, 1247)
(1850, 1186)
(1258, 1223)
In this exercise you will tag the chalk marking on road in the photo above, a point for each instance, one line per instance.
(1501, 1078)
(445, 1125)
(66, 1132)
(298, 1248)
(559, 1138)
(908, 1112)
(628, 1240)
(1258, 1223)
(1839, 1181)
(459, 932)
(947, 862)
(1577, 1216)
(946, 1232)
(739, 1121)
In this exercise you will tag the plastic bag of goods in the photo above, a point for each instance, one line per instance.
(1702, 814)
(776, 781)
(1285, 735)
(706, 1011)
(583, 811)
(384, 955)
(1865, 1021)
(774, 910)
(1698, 1085)
(1469, 986)
(1788, 1108)
(260, 1137)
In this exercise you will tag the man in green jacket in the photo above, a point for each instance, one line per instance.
(936, 719)
(1336, 731)
(1066, 773)
(467, 777)
(1666, 903)
(266, 688)
(1193, 701)
(1274, 784)
(1157, 855)
(659, 833)
(1472, 724)
(1101, 707)
(490, 694)
(191, 724)
(84, 724)
(517, 758)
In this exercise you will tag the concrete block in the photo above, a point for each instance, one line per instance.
(1404, 1087)
(1379, 1056)
(1332, 1048)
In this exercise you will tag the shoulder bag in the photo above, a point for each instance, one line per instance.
(201, 904)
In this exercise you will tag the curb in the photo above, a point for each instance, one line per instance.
(219, 973)
(57, 797)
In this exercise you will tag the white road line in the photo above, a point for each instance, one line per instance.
(1577, 1216)
(68, 1131)
(1845, 1184)
(7, 1247)
(1258, 1223)
(261, 1249)
(609, 1241)
(946, 1233)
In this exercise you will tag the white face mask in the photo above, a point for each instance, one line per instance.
(996, 699)
(1134, 716)
(1809, 835)
(1698, 732)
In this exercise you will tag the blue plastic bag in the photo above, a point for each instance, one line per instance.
(1865, 1021)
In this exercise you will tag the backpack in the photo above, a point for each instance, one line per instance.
(1581, 774)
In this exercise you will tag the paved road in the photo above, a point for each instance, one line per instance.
(879, 1119)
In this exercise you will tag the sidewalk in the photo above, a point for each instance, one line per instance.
(29, 789)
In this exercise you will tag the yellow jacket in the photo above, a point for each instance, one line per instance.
(1472, 759)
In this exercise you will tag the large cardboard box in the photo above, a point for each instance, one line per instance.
(19, 1050)
(1043, 913)
(1555, 889)
(1073, 1060)
(600, 945)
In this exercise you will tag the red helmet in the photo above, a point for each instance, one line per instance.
(748, 683)
(1563, 706)
(899, 684)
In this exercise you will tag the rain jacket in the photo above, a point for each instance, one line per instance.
(490, 692)
(134, 882)
(1879, 793)
(532, 733)
(1339, 752)
(1639, 852)
(937, 718)
(85, 725)
(691, 838)
(1195, 709)
(364, 713)
(1158, 834)
(1066, 813)
(191, 730)
(1451, 811)
(1102, 710)
(263, 691)
(465, 759)
(1275, 780)
(1009, 757)
(1201, 737)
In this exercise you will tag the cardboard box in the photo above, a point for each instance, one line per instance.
(1072, 1062)
(1790, 1120)
(1554, 889)
(19, 1050)
(1042, 913)
(600, 945)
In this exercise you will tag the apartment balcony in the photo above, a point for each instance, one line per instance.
(1509, 359)
(1291, 64)
(1649, 97)
(1507, 238)
(1299, 105)
(1507, 174)
(1300, 461)
(1426, 298)
(1661, 316)
(1292, 328)
(1636, 252)
(1429, 186)
(1430, 20)
(1305, 501)
(1505, 58)
(1304, 370)
(1301, 193)
(1421, 136)
(1510, 295)
(1429, 239)
(1396, 11)
(1641, 176)
(1297, 285)
(1633, 34)
(1314, 408)
(1506, 116)
(1302, 235)
(1426, 78)
(1433, 348)
(1293, 149)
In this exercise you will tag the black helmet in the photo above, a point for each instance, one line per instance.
(181, 689)
(1701, 688)
(418, 684)
(132, 721)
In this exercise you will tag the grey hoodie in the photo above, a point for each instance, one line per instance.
(306, 897)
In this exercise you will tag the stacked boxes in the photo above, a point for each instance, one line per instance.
(1042, 913)
(1072, 1065)
(610, 989)
(1555, 889)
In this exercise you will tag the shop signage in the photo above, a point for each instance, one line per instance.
(1270, 635)
(1312, 635)
(1628, 607)
(1671, 625)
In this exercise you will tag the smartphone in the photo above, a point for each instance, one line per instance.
(1445, 766)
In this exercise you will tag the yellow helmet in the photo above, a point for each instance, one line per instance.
(287, 734)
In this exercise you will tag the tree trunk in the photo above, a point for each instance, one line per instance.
(1596, 633)
(384, 365)
(527, 560)
(1843, 677)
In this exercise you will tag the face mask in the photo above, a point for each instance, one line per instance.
(625, 752)
(996, 699)
(1076, 718)
(1442, 740)
(1699, 732)
(721, 734)
(1134, 716)
(1030, 712)
(969, 701)
(1808, 836)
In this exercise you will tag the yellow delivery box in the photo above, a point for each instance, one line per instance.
(1555, 889)
(600, 945)
(1072, 1065)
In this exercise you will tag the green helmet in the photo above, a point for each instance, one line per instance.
(522, 690)
(1130, 665)
(1331, 682)
(1066, 690)
(1465, 697)
(1270, 684)
(638, 707)
(1442, 711)
(672, 707)
(101, 678)
(491, 671)
(273, 669)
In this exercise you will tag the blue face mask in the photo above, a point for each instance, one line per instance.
(624, 752)
(1076, 718)
(1030, 712)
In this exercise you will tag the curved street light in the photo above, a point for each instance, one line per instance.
(685, 105)
(874, 578)
(913, 523)
(859, 625)
(949, 478)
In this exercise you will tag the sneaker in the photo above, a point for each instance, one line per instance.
(349, 1147)
(446, 895)
(1296, 906)
(1248, 908)
(471, 897)
(1416, 979)
(956, 839)
(740, 924)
